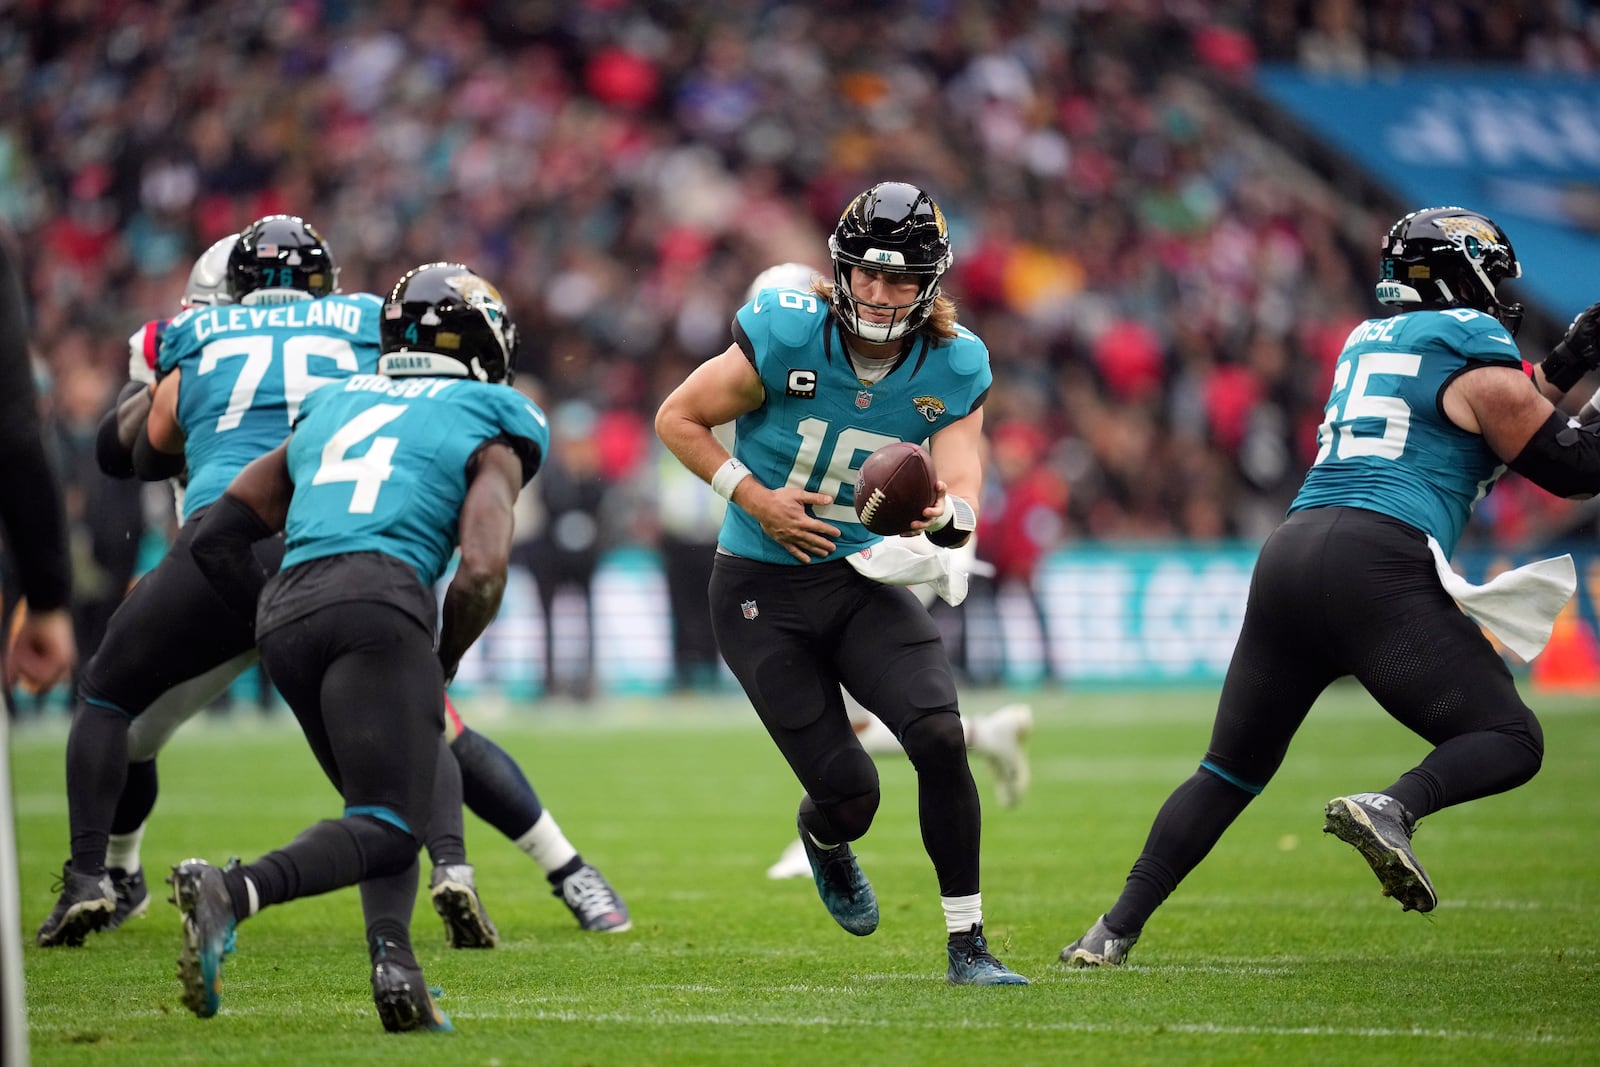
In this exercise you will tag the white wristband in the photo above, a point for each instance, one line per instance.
(728, 477)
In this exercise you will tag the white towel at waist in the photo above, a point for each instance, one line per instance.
(1519, 606)
(913, 561)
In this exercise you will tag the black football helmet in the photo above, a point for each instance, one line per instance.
(444, 320)
(278, 259)
(892, 227)
(1445, 257)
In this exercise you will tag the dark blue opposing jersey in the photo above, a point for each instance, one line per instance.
(380, 465)
(1386, 444)
(247, 370)
(820, 422)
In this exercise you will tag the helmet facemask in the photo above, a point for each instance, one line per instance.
(895, 228)
(445, 320)
(1449, 257)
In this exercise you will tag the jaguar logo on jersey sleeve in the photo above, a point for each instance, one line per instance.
(929, 407)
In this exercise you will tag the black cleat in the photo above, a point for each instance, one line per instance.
(403, 998)
(87, 903)
(1381, 830)
(133, 897)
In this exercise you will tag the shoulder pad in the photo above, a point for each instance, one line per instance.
(790, 317)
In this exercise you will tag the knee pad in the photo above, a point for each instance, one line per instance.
(385, 847)
(934, 739)
(851, 781)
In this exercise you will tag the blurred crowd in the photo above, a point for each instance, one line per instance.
(1162, 298)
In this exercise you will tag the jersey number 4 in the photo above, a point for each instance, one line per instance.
(370, 469)
(1358, 402)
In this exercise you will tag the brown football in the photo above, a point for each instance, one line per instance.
(894, 486)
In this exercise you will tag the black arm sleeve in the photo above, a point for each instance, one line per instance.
(222, 550)
(115, 461)
(150, 463)
(1561, 458)
(33, 518)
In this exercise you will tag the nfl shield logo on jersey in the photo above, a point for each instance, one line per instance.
(863, 400)
(749, 608)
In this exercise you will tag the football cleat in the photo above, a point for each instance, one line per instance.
(87, 903)
(133, 897)
(844, 890)
(209, 927)
(1099, 947)
(593, 902)
(1001, 738)
(404, 999)
(792, 864)
(1380, 829)
(455, 898)
(971, 962)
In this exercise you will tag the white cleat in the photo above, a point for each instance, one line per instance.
(792, 864)
(1001, 738)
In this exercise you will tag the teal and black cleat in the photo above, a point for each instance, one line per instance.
(1380, 829)
(87, 903)
(971, 962)
(209, 936)
(1099, 947)
(405, 1002)
(844, 890)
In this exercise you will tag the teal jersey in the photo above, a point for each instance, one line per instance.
(248, 370)
(1386, 444)
(380, 465)
(819, 422)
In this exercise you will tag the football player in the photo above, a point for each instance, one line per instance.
(815, 381)
(1428, 408)
(1000, 736)
(286, 355)
(383, 477)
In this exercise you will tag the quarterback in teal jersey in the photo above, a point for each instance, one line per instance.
(383, 478)
(816, 380)
(1428, 408)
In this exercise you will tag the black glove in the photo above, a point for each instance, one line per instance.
(1577, 353)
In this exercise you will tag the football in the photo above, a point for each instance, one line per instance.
(895, 484)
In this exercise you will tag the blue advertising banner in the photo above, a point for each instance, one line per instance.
(1521, 147)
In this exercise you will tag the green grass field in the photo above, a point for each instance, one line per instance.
(1279, 949)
